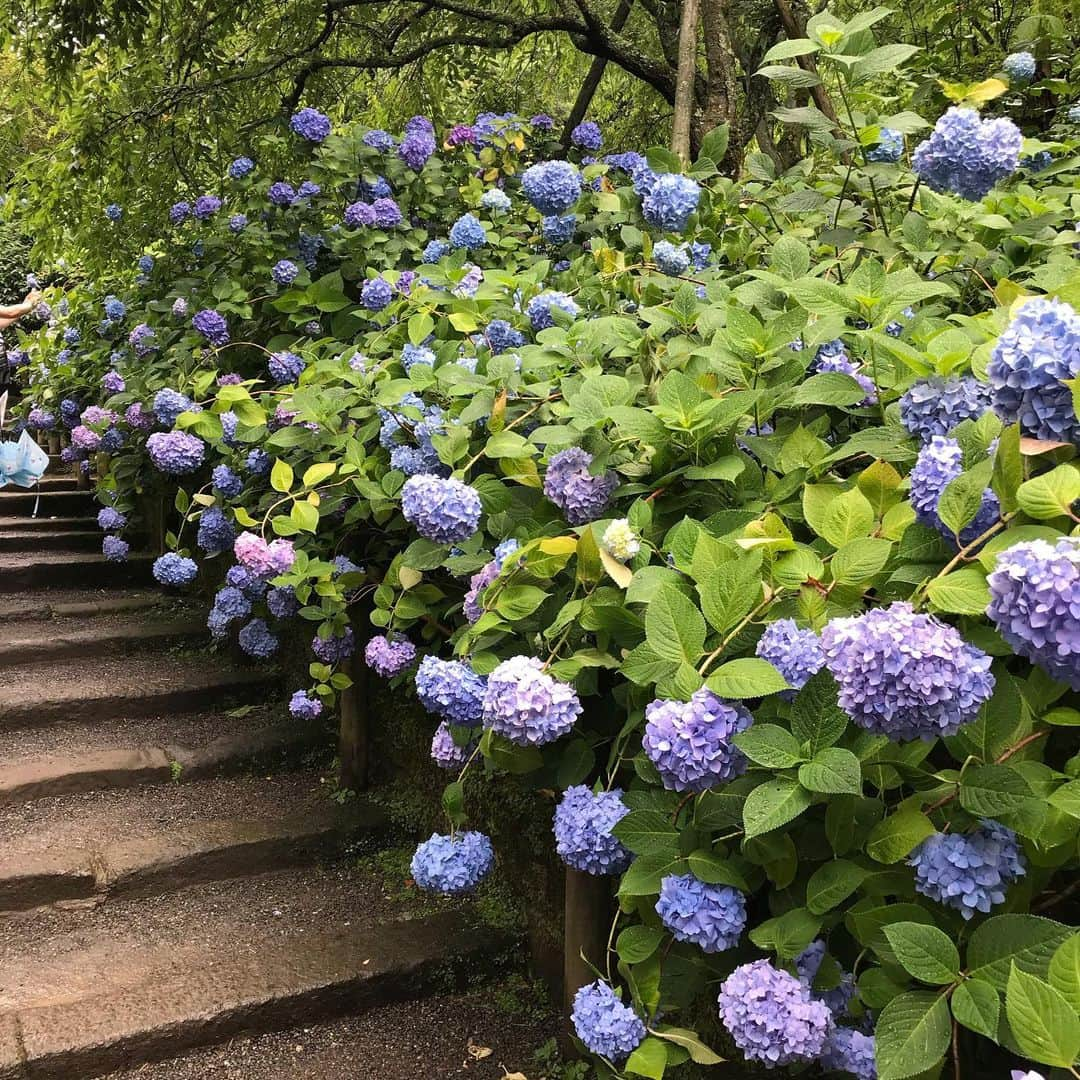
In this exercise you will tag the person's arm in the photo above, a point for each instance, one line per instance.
(13, 312)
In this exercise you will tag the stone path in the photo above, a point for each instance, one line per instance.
(170, 877)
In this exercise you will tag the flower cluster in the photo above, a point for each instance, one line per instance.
(443, 510)
(966, 155)
(581, 496)
(583, 824)
(1019, 66)
(174, 570)
(212, 326)
(446, 753)
(712, 917)
(114, 549)
(604, 1024)
(264, 560)
(285, 367)
(303, 706)
(539, 308)
(526, 705)
(451, 690)
(795, 653)
(968, 871)
(670, 201)
(934, 406)
(452, 865)
(334, 648)
(808, 964)
(175, 453)
(256, 640)
(889, 148)
(310, 124)
(850, 1051)
(389, 656)
(552, 186)
(941, 461)
(620, 541)
(906, 675)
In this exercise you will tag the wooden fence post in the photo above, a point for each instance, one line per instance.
(587, 918)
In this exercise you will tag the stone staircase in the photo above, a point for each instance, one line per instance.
(173, 874)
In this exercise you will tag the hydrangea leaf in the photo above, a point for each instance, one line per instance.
(925, 952)
(977, 1006)
(834, 771)
(912, 1034)
(1029, 941)
(832, 884)
(1044, 1025)
(772, 804)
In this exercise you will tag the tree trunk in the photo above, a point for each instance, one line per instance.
(587, 914)
(682, 121)
(354, 737)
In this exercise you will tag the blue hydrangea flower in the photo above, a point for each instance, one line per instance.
(1074, 114)
(712, 917)
(540, 307)
(467, 232)
(308, 190)
(110, 519)
(690, 742)
(587, 136)
(552, 186)
(604, 1024)
(335, 648)
(451, 690)
(216, 532)
(72, 335)
(359, 215)
(227, 482)
(302, 706)
(906, 675)
(256, 640)
(206, 206)
(966, 155)
(808, 963)
(169, 404)
(281, 602)
(1038, 350)
(889, 148)
(281, 193)
(968, 871)
(671, 259)
(114, 212)
(174, 570)
(212, 326)
(240, 167)
(452, 865)
(114, 308)
(284, 272)
(389, 656)
(934, 406)
(285, 367)
(258, 462)
(771, 1016)
(583, 824)
(502, 337)
(114, 549)
(416, 147)
(558, 230)
(670, 201)
(795, 653)
(495, 201)
(379, 188)
(1035, 604)
(179, 212)
(378, 140)
(581, 496)
(376, 293)
(526, 705)
(310, 124)
(850, 1051)
(416, 354)
(238, 223)
(442, 509)
(1020, 67)
(252, 586)
(941, 461)
(69, 412)
(435, 250)
(308, 248)
(445, 752)
(175, 453)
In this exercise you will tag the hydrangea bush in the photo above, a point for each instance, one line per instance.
(736, 516)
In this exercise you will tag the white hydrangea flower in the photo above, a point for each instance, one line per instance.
(620, 541)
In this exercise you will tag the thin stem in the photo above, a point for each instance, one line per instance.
(734, 633)
(961, 555)
(914, 192)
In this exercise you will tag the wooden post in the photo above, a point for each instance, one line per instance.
(684, 83)
(354, 734)
(154, 514)
(587, 918)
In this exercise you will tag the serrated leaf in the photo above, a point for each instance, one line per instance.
(770, 745)
(832, 884)
(772, 804)
(747, 677)
(647, 832)
(674, 628)
(710, 868)
(1044, 1025)
(912, 1034)
(816, 717)
(925, 952)
(637, 943)
(994, 790)
(281, 476)
(833, 771)
(977, 1006)
(898, 835)
(1050, 495)
(963, 592)
(689, 1041)
(1064, 972)
(1029, 941)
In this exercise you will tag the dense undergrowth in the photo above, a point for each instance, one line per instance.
(740, 511)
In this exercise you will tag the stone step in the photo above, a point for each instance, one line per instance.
(116, 687)
(76, 603)
(19, 501)
(57, 481)
(146, 841)
(32, 640)
(38, 540)
(46, 569)
(135, 982)
(67, 759)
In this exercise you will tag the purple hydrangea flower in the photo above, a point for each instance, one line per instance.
(452, 865)
(690, 742)
(468, 233)
(285, 367)
(889, 148)
(581, 496)
(940, 462)
(451, 690)
(308, 190)
(445, 752)
(114, 549)
(968, 871)
(264, 560)
(302, 706)
(850, 1051)
(583, 824)
(771, 1016)
(281, 602)
(227, 482)
(335, 648)
(174, 570)
(240, 167)
(110, 519)
(906, 675)
(808, 963)
(206, 206)
(1035, 604)
(387, 213)
(212, 325)
(216, 533)
(795, 653)
(604, 1024)
(552, 186)
(416, 147)
(178, 212)
(934, 406)
(310, 124)
(443, 510)
(39, 419)
(180, 307)
(169, 404)
(376, 293)
(284, 272)
(138, 417)
(175, 453)
(477, 584)
(258, 462)
(587, 136)
(966, 155)
(256, 640)
(237, 224)
(378, 140)
(542, 122)
(1038, 350)
(281, 193)
(526, 705)
(670, 201)
(389, 657)
(712, 917)
(540, 307)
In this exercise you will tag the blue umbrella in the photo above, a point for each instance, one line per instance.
(22, 463)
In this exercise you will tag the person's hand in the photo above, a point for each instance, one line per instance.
(32, 298)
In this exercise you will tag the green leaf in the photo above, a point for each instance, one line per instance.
(898, 835)
(772, 804)
(792, 47)
(832, 884)
(638, 943)
(963, 498)
(649, 1059)
(977, 1006)
(1029, 941)
(788, 934)
(304, 516)
(848, 517)
(994, 790)
(925, 952)
(912, 1034)
(1067, 798)
(453, 801)
(1050, 495)
(963, 592)
(1064, 973)
(281, 476)
(315, 474)
(518, 601)
(1044, 1025)
(770, 745)
(714, 144)
(729, 593)
(674, 628)
(816, 717)
(713, 870)
(828, 388)
(833, 771)
(860, 560)
(689, 1041)
(646, 872)
(647, 832)
(1008, 468)
(747, 677)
